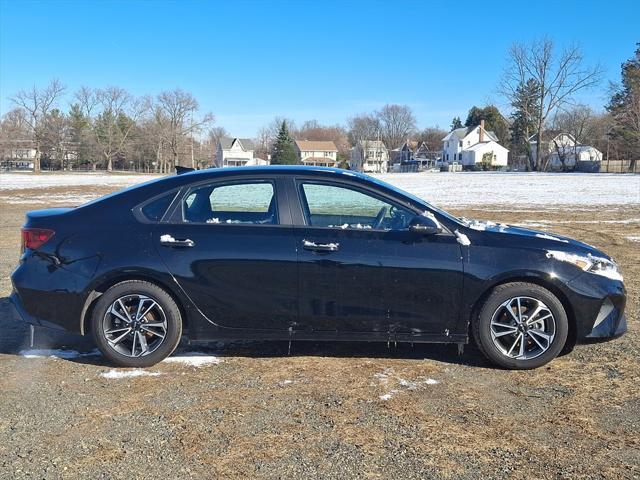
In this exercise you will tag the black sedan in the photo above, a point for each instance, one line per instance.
(299, 253)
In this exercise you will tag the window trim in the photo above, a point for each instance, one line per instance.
(177, 214)
(302, 201)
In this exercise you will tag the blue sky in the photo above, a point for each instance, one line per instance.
(248, 62)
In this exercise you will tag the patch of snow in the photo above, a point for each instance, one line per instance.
(137, 372)
(432, 217)
(633, 238)
(543, 223)
(462, 238)
(431, 381)
(551, 237)
(22, 181)
(407, 384)
(388, 396)
(193, 359)
(57, 353)
(480, 225)
(286, 382)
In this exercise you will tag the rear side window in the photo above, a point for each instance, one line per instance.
(154, 211)
(249, 203)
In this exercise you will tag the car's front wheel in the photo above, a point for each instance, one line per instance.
(136, 324)
(521, 326)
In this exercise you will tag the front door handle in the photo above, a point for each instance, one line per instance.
(320, 247)
(168, 241)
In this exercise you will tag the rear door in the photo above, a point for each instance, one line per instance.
(230, 245)
(362, 270)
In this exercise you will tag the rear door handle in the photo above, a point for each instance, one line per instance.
(320, 247)
(168, 241)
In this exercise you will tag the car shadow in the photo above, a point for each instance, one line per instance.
(15, 340)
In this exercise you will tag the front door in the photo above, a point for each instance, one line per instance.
(231, 254)
(362, 270)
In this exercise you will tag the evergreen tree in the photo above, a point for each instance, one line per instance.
(526, 106)
(456, 123)
(283, 152)
(493, 121)
(624, 107)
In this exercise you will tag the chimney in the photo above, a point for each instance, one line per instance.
(481, 131)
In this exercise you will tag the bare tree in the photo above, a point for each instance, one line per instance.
(175, 113)
(213, 138)
(363, 127)
(432, 136)
(579, 122)
(313, 130)
(559, 77)
(114, 113)
(37, 103)
(397, 123)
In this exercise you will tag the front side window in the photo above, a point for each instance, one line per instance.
(333, 206)
(244, 203)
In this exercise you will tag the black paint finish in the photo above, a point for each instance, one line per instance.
(264, 281)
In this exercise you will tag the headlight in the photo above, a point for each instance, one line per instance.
(589, 263)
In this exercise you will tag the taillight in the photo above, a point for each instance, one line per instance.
(34, 238)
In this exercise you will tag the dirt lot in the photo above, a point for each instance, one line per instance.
(328, 410)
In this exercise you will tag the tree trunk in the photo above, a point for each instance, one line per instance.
(537, 162)
(36, 160)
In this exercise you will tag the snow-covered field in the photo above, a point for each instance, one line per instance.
(22, 181)
(468, 189)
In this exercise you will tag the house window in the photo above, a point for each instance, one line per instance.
(460, 143)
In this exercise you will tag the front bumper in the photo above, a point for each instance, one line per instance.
(613, 324)
(598, 305)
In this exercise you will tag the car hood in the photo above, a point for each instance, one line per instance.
(547, 240)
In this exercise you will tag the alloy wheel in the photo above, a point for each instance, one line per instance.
(134, 325)
(523, 328)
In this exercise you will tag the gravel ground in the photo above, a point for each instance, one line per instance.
(326, 410)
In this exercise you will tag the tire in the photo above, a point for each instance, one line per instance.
(518, 342)
(122, 330)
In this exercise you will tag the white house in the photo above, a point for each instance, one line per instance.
(236, 152)
(369, 156)
(553, 141)
(470, 146)
(561, 148)
(318, 153)
(18, 158)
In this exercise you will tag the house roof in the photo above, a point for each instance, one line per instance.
(548, 135)
(484, 145)
(227, 142)
(317, 145)
(462, 133)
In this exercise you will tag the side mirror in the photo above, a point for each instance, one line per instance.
(424, 225)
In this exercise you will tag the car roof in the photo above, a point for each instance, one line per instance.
(275, 169)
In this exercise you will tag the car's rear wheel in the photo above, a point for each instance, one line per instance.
(521, 326)
(136, 324)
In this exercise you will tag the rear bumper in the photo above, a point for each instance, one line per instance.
(23, 315)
